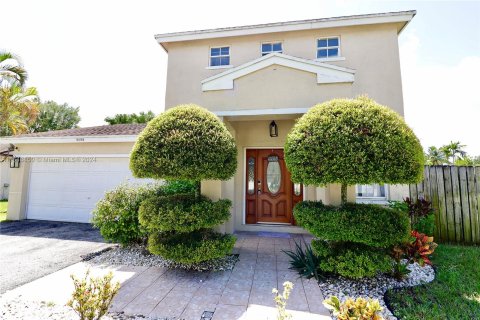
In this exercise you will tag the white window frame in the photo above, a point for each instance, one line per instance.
(334, 58)
(270, 42)
(220, 56)
(378, 200)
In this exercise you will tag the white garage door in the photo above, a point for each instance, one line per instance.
(68, 191)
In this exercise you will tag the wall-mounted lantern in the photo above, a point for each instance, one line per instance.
(14, 162)
(273, 129)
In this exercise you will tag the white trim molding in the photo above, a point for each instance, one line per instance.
(258, 112)
(83, 155)
(71, 139)
(400, 17)
(326, 73)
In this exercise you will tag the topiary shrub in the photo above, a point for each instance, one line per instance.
(178, 187)
(187, 143)
(353, 141)
(182, 213)
(192, 247)
(116, 215)
(368, 224)
(351, 260)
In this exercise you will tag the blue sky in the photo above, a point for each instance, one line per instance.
(101, 55)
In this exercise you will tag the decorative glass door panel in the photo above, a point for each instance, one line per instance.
(275, 194)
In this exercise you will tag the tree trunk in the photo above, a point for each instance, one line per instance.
(198, 189)
(343, 194)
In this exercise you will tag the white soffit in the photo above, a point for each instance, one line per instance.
(326, 73)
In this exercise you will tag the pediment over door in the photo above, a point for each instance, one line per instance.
(325, 73)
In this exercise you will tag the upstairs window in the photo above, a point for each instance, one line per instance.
(219, 56)
(271, 47)
(328, 47)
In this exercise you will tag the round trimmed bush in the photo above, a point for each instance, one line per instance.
(116, 215)
(351, 260)
(186, 142)
(353, 141)
(368, 224)
(193, 247)
(182, 213)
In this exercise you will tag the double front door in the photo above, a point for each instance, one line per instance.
(270, 195)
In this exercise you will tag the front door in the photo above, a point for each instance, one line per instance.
(270, 195)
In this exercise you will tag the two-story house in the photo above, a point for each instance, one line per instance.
(258, 80)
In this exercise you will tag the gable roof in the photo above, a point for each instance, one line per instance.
(117, 132)
(326, 73)
(400, 17)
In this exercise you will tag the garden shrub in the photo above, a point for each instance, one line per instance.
(116, 215)
(425, 224)
(187, 143)
(353, 141)
(191, 247)
(369, 224)
(92, 296)
(351, 260)
(358, 309)
(190, 143)
(178, 187)
(420, 212)
(182, 213)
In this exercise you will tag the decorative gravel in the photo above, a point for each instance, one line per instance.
(20, 308)
(376, 287)
(139, 256)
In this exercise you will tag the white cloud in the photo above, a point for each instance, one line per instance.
(442, 102)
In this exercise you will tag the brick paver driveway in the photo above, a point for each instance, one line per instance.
(243, 293)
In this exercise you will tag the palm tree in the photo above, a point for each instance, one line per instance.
(435, 156)
(453, 149)
(18, 108)
(11, 69)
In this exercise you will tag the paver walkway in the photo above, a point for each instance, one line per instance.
(243, 293)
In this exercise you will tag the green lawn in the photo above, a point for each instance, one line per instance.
(3, 210)
(454, 294)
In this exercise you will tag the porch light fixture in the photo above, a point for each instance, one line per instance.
(14, 162)
(273, 129)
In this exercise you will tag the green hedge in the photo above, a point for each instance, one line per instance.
(182, 213)
(351, 260)
(116, 215)
(353, 141)
(186, 142)
(193, 247)
(368, 224)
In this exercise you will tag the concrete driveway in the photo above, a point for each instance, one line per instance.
(31, 249)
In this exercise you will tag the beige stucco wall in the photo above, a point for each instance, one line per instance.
(19, 177)
(371, 50)
(4, 178)
(255, 134)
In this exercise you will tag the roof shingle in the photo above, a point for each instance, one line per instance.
(106, 130)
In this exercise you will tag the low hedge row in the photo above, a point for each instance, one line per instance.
(351, 260)
(191, 247)
(182, 213)
(367, 224)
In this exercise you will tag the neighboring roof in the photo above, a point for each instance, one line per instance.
(326, 73)
(117, 132)
(401, 17)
